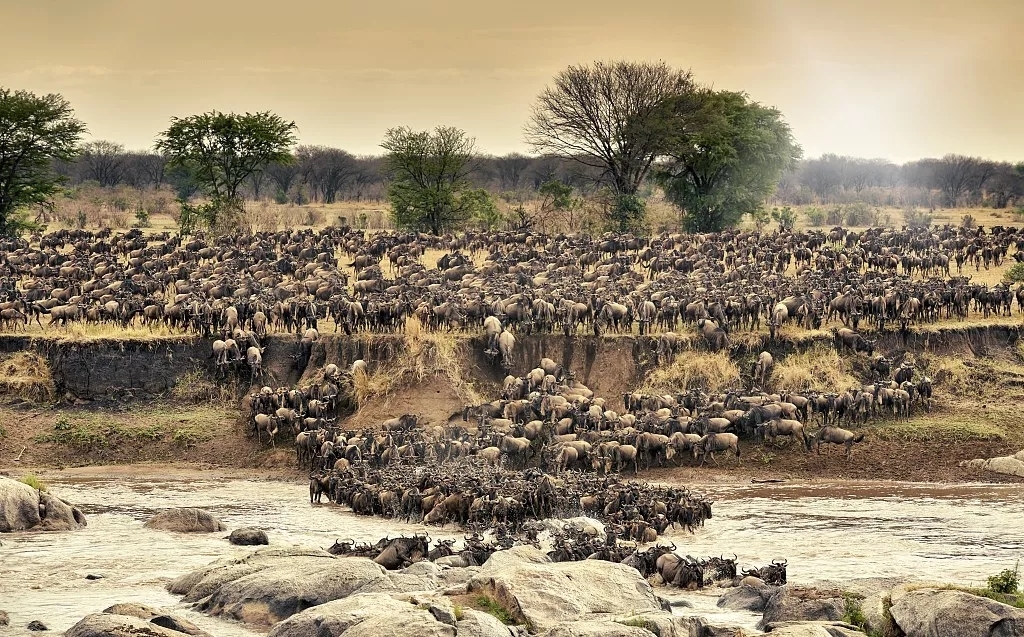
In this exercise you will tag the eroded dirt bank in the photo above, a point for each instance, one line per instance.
(160, 399)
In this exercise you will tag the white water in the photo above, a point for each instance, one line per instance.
(960, 533)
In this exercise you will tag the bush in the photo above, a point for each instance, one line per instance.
(968, 222)
(915, 218)
(858, 214)
(1015, 274)
(785, 217)
(1006, 582)
(815, 216)
(835, 216)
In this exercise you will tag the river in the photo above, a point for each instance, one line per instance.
(826, 531)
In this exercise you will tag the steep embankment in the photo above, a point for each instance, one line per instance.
(161, 399)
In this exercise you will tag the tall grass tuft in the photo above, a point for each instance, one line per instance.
(694, 370)
(819, 368)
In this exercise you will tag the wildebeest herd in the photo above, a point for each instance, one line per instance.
(239, 287)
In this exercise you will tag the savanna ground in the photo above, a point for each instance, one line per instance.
(975, 414)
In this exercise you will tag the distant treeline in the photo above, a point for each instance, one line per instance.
(325, 175)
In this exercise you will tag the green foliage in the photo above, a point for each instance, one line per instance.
(190, 436)
(34, 131)
(853, 612)
(760, 217)
(494, 608)
(626, 212)
(459, 612)
(785, 217)
(815, 216)
(915, 218)
(1006, 582)
(428, 173)
(726, 156)
(218, 152)
(1015, 274)
(485, 211)
(142, 217)
(858, 214)
(34, 482)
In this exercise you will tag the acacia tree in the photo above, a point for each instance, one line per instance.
(605, 116)
(103, 162)
(726, 164)
(220, 151)
(428, 178)
(35, 132)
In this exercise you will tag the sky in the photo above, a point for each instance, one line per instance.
(893, 79)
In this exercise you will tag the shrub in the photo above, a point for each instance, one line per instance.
(495, 609)
(760, 217)
(853, 612)
(1006, 581)
(835, 216)
(858, 214)
(1015, 274)
(968, 222)
(785, 217)
(915, 218)
(815, 216)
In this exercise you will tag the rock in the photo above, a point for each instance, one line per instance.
(37, 626)
(4, 619)
(791, 603)
(109, 625)
(443, 613)
(543, 595)
(812, 629)
(421, 576)
(292, 585)
(1009, 465)
(185, 520)
(153, 616)
(747, 598)
(363, 616)
(938, 613)
(700, 628)
(23, 508)
(93, 577)
(597, 628)
(248, 537)
(478, 624)
(205, 581)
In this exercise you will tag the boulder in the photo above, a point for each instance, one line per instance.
(748, 598)
(23, 508)
(153, 616)
(421, 576)
(292, 585)
(812, 629)
(478, 624)
(205, 581)
(795, 604)
(598, 628)
(699, 627)
(248, 537)
(1009, 465)
(938, 613)
(185, 520)
(108, 625)
(544, 595)
(4, 619)
(37, 626)
(364, 615)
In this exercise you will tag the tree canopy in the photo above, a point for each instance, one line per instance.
(606, 116)
(723, 158)
(220, 151)
(34, 131)
(428, 178)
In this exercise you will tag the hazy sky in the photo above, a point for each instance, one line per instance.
(900, 79)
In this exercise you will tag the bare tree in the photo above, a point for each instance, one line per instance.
(607, 116)
(102, 161)
(954, 175)
(326, 170)
(283, 174)
(511, 168)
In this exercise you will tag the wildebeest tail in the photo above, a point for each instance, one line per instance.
(737, 451)
(859, 437)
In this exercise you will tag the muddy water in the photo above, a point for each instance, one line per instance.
(827, 532)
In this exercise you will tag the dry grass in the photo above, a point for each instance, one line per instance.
(946, 427)
(424, 355)
(819, 368)
(708, 372)
(27, 375)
